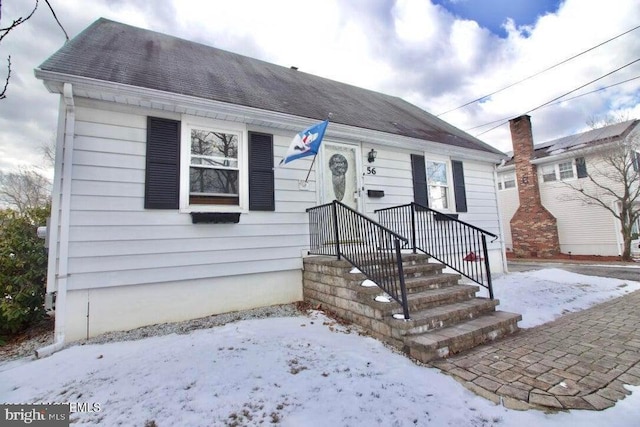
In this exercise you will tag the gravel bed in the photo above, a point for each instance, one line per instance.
(44, 335)
(286, 310)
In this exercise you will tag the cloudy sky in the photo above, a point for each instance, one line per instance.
(437, 54)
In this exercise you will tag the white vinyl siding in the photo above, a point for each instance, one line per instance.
(115, 241)
(582, 229)
(393, 176)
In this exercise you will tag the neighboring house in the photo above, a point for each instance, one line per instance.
(536, 200)
(167, 205)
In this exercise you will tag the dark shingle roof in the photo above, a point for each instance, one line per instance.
(119, 53)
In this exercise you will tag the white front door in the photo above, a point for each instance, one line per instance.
(340, 173)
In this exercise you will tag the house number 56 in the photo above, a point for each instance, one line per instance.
(371, 170)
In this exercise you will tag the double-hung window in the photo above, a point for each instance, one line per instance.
(549, 173)
(506, 180)
(214, 166)
(214, 170)
(566, 170)
(436, 186)
(437, 183)
(201, 165)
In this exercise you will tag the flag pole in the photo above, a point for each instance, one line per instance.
(316, 155)
(310, 167)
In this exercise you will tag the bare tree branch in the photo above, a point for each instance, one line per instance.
(3, 33)
(24, 189)
(6, 82)
(613, 181)
(16, 22)
(56, 18)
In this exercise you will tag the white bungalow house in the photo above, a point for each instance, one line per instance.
(550, 168)
(151, 224)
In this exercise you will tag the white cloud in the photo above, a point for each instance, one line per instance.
(406, 48)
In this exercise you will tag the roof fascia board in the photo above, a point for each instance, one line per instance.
(185, 104)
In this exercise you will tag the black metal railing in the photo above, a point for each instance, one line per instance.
(459, 245)
(336, 229)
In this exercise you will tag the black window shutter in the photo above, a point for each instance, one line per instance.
(419, 174)
(162, 176)
(458, 186)
(581, 167)
(261, 176)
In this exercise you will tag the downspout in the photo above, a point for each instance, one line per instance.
(60, 217)
(503, 248)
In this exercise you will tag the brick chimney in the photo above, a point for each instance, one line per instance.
(533, 228)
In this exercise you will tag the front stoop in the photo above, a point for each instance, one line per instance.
(446, 316)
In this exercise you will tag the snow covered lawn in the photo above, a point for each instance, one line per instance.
(297, 371)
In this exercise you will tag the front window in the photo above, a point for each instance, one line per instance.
(213, 171)
(437, 184)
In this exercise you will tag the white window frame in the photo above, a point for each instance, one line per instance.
(543, 170)
(502, 181)
(572, 169)
(190, 122)
(449, 186)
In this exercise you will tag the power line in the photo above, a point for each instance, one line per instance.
(558, 102)
(539, 72)
(561, 96)
(594, 91)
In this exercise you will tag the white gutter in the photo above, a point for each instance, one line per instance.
(54, 222)
(64, 217)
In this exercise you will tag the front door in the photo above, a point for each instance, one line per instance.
(340, 174)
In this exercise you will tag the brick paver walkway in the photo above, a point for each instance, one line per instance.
(579, 361)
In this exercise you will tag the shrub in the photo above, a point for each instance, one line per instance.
(23, 269)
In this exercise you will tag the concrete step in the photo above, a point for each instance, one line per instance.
(408, 259)
(454, 339)
(419, 284)
(426, 299)
(445, 315)
(416, 285)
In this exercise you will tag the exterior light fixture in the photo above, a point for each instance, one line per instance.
(371, 157)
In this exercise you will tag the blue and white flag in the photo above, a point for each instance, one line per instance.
(305, 143)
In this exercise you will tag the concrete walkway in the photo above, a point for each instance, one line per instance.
(579, 361)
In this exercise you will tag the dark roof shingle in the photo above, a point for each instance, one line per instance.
(120, 53)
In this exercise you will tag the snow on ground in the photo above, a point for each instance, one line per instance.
(544, 295)
(295, 371)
